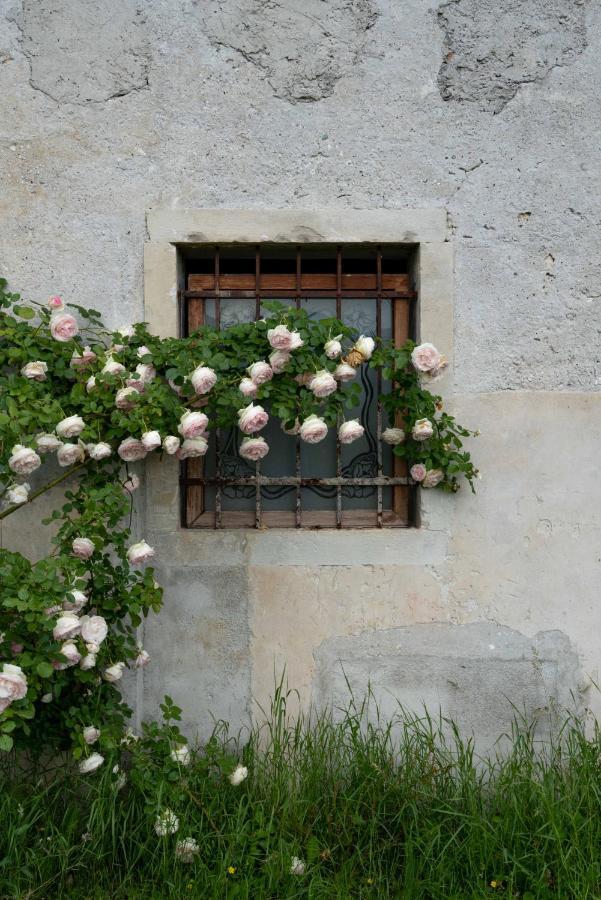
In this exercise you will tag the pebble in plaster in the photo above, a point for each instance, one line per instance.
(85, 51)
(491, 47)
(303, 49)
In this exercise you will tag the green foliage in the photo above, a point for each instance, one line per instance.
(400, 809)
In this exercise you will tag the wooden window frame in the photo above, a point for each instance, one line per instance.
(377, 286)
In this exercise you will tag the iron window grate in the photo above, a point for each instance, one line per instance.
(298, 275)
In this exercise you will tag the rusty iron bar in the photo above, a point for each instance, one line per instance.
(379, 382)
(306, 293)
(275, 481)
(338, 446)
(218, 521)
(297, 453)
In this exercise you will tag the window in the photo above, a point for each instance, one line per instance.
(328, 485)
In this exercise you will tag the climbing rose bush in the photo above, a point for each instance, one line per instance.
(78, 401)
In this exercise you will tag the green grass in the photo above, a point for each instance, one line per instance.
(400, 809)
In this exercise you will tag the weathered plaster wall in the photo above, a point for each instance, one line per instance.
(486, 108)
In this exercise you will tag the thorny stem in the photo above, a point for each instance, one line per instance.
(43, 489)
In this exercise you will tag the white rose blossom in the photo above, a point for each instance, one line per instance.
(350, 431)
(151, 440)
(139, 553)
(171, 444)
(77, 603)
(248, 388)
(186, 850)
(142, 351)
(365, 346)
(333, 347)
(13, 685)
(112, 367)
(114, 673)
(142, 659)
(35, 370)
(146, 372)
(239, 774)
(281, 338)
(91, 763)
(18, 494)
(166, 823)
(132, 484)
(278, 360)
(313, 429)
(93, 630)
(344, 372)
(99, 451)
(69, 454)
(126, 331)
(253, 448)
(126, 398)
(91, 734)
(422, 430)
(393, 435)
(23, 460)
(181, 755)
(70, 427)
(192, 424)
(433, 478)
(193, 447)
(88, 662)
(67, 626)
(47, 443)
(90, 383)
(71, 654)
(297, 866)
(131, 449)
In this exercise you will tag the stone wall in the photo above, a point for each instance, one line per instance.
(487, 110)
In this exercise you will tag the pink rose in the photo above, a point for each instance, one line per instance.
(83, 547)
(260, 372)
(23, 460)
(252, 418)
(132, 484)
(142, 351)
(13, 685)
(422, 430)
(56, 304)
(63, 326)
(67, 626)
(136, 382)
(313, 430)
(418, 472)
(344, 372)
(151, 440)
(192, 424)
(350, 431)
(425, 358)
(15, 648)
(142, 659)
(253, 449)
(139, 553)
(248, 388)
(77, 603)
(323, 384)
(91, 734)
(82, 359)
(193, 447)
(126, 397)
(131, 449)
(146, 371)
(433, 478)
(36, 370)
(203, 379)
(114, 672)
(68, 454)
(278, 360)
(281, 338)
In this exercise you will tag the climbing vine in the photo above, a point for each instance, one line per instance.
(83, 404)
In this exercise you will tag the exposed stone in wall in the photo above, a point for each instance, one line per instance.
(491, 47)
(303, 49)
(85, 52)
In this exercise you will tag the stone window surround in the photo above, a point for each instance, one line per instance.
(427, 230)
